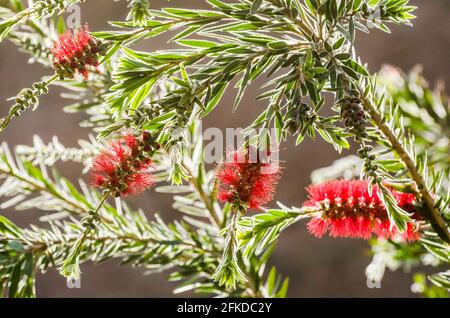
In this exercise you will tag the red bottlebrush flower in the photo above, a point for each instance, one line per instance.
(349, 210)
(247, 183)
(123, 168)
(75, 53)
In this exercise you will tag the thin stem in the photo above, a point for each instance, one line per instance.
(303, 26)
(94, 216)
(434, 214)
(31, 24)
(102, 201)
(37, 187)
(174, 22)
(27, 98)
(206, 200)
(70, 267)
(52, 79)
(77, 208)
(251, 285)
(39, 246)
(215, 221)
(37, 11)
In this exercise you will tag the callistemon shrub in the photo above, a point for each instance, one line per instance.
(141, 85)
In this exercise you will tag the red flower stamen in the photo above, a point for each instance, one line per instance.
(123, 168)
(246, 183)
(75, 53)
(349, 210)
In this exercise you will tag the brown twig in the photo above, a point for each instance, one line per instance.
(434, 216)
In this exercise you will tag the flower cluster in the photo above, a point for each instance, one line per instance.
(247, 182)
(350, 210)
(75, 53)
(124, 167)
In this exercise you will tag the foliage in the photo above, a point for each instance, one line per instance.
(304, 51)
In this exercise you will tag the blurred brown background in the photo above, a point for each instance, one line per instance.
(317, 268)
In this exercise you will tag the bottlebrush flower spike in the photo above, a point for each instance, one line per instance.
(124, 167)
(246, 182)
(349, 210)
(75, 53)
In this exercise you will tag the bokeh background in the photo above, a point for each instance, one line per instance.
(317, 268)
